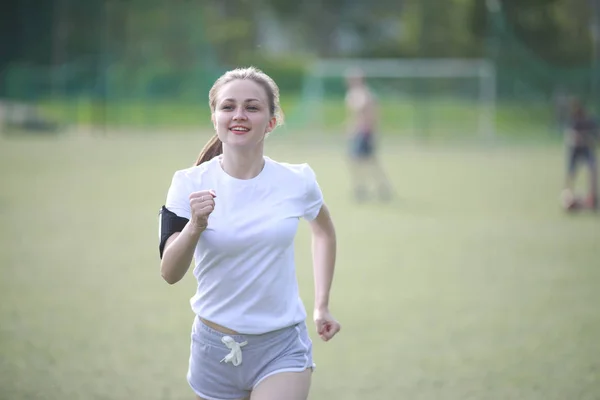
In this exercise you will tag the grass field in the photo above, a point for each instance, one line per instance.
(430, 117)
(473, 284)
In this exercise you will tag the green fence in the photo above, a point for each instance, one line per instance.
(146, 89)
(523, 76)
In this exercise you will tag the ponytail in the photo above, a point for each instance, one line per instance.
(213, 148)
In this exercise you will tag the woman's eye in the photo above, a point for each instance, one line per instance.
(252, 108)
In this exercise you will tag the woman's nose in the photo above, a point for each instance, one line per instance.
(239, 114)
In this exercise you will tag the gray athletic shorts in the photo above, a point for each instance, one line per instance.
(228, 367)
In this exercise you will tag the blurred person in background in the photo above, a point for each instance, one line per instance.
(365, 167)
(236, 213)
(581, 137)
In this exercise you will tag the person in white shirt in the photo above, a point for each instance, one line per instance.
(236, 213)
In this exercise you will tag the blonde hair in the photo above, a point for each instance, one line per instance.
(214, 146)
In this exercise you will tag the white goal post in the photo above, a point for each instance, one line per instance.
(481, 70)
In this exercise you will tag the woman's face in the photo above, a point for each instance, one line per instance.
(242, 116)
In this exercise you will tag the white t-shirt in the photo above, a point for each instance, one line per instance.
(244, 260)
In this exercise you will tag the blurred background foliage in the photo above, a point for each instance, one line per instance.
(135, 55)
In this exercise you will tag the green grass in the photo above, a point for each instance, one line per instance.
(473, 284)
(412, 117)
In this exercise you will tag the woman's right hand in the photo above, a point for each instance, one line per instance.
(202, 203)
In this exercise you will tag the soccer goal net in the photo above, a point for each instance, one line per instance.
(442, 98)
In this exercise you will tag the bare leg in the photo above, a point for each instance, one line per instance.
(379, 175)
(568, 192)
(569, 182)
(593, 183)
(568, 195)
(571, 164)
(358, 178)
(285, 385)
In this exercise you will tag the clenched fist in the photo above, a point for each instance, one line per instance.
(327, 326)
(202, 203)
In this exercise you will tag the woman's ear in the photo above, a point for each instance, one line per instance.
(212, 119)
(271, 125)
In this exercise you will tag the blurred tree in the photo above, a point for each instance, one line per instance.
(230, 27)
(162, 41)
(557, 31)
(325, 22)
(10, 36)
(316, 20)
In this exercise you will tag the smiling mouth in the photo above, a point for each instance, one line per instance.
(239, 130)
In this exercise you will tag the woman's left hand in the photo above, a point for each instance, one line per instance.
(327, 326)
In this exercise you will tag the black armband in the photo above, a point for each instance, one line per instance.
(170, 223)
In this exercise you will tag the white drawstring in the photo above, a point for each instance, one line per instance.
(235, 355)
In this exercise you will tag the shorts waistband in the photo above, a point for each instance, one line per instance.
(215, 337)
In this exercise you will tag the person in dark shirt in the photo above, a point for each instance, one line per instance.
(581, 137)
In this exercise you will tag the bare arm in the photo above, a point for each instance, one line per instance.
(180, 246)
(324, 254)
(324, 246)
(178, 254)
